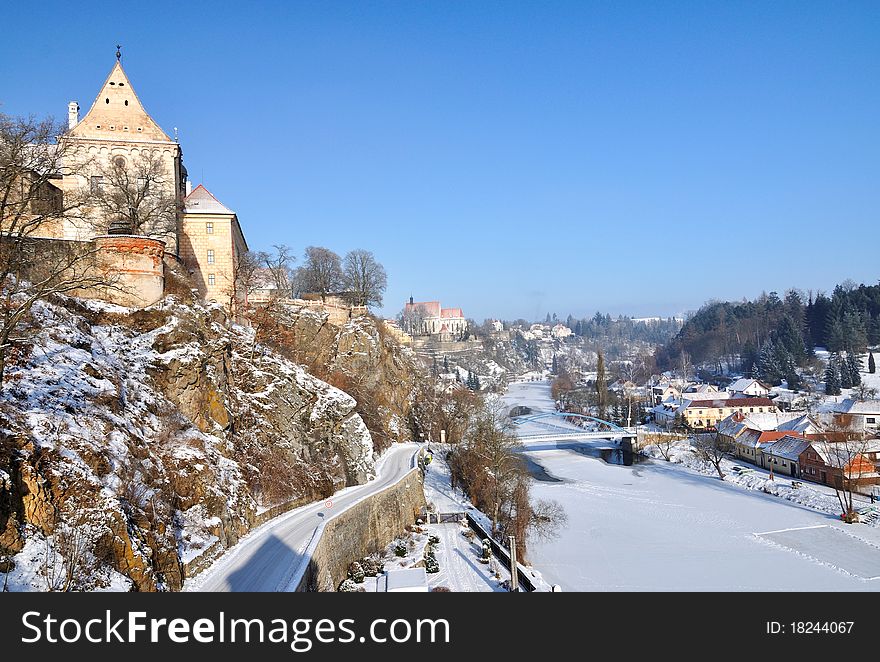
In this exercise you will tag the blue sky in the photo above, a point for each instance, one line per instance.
(511, 158)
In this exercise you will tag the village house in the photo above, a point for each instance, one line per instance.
(749, 388)
(860, 414)
(665, 392)
(783, 456)
(707, 414)
(560, 332)
(839, 463)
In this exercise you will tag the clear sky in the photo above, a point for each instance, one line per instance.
(510, 158)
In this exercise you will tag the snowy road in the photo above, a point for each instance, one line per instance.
(268, 558)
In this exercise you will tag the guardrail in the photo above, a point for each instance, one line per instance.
(502, 554)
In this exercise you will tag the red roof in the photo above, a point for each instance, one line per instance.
(432, 308)
(732, 403)
(451, 312)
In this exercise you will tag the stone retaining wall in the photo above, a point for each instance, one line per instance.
(368, 526)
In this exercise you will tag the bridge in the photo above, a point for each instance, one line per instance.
(606, 429)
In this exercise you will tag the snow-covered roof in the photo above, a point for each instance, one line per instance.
(201, 201)
(788, 447)
(741, 385)
(406, 580)
(852, 406)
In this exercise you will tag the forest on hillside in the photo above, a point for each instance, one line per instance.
(770, 336)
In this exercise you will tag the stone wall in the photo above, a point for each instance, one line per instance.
(368, 526)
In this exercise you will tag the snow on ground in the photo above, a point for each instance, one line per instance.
(813, 495)
(659, 526)
(457, 555)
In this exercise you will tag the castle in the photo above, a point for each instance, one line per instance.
(141, 210)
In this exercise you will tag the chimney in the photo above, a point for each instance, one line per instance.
(72, 114)
(189, 187)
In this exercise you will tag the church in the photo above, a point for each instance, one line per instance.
(138, 198)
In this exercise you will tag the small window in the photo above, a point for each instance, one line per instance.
(121, 84)
(210, 256)
(125, 128)
(211, 279)
(112, 83)
(126, 102)
(97, 184)
(140, 129)
(107, 100)
(209, 228)
(97, 126)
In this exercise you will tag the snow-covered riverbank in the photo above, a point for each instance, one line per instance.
(655, 526)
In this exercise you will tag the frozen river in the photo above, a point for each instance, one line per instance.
(655, 526)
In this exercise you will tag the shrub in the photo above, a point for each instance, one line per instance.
(433, 540)
(431, 565)
(356, 572)
(372, 566)
(441, 589)
(348, 586)
(400, 548)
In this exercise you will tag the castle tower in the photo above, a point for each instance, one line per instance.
(118, 132)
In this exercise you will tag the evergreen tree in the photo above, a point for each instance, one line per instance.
(853, 368)
(874, 330)
(844, 375)
(446, 364)
(771, 364)
(435, 370)
(832, 376)
(872, 367)
(555, 369)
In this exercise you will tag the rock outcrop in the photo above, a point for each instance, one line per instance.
(133, 441)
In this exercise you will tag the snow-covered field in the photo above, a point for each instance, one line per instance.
(660, 526)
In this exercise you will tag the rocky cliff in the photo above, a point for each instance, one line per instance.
(133, 440)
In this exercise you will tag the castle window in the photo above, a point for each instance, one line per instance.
(107, 100)
(209, 228)
(211, 280)
(210, 256)
(140, 129)
(112, 83)
(97, 126)
(126, 102)
(97, 184)
(121, 84)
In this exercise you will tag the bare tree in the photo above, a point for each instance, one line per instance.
(138, 197)
(32, 206)
(365, 279)
(412, 319)
(247, 277)
(664, 442)
(864, 392)
(547, 518)
(846, 451)
(279, 264)
(321, 273)
(714, 449)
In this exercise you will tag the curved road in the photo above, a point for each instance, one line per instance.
(269, 557)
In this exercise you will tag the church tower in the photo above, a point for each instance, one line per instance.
(114, 140)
